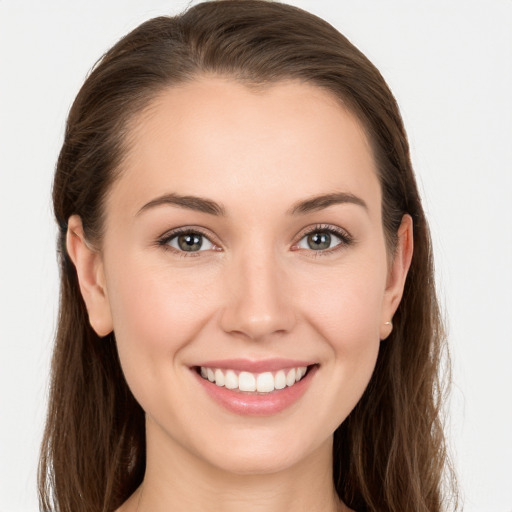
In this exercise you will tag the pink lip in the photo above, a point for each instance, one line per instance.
(255, 404)
(265, 365)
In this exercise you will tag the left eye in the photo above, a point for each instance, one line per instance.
(189, 242)
(319, 241)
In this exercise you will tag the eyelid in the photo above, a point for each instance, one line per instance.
(163, 240)
(345, 237)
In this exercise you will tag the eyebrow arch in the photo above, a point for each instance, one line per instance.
(324, 201)
(199, 204)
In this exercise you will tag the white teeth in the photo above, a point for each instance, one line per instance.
(280, 380)
(300, 372)
(231, 380)
(265, 382)
(246, 382)
(219, 377)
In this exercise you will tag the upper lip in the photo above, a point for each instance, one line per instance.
(263, 365)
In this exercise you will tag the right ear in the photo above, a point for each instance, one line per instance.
(91, 277)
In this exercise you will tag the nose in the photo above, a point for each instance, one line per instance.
(259, 302)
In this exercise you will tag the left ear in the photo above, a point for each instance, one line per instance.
(397, 275)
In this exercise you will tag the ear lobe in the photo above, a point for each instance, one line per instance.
(397, 274)
(91, 277)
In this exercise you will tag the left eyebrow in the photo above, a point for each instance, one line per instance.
(324, 201)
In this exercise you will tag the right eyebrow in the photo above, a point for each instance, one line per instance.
(199, 204)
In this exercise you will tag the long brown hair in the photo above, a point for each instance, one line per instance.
(389, 454)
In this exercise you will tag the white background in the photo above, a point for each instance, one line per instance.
(449, 64)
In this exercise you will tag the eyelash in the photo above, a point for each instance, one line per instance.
(346, 239)
(344, 236)
(164, 240)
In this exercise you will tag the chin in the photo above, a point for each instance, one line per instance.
(271, 455)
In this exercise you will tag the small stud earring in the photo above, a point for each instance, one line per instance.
(390, 324)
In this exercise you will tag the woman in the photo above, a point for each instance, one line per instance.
(248, 316)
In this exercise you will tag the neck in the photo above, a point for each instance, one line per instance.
(180, 481)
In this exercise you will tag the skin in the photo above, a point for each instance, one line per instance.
(258, 291)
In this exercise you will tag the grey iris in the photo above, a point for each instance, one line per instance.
(190, 242)
(319, 241)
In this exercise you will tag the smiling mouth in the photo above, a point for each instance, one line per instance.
(254, 383)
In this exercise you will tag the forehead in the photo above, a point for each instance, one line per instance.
(215, 137)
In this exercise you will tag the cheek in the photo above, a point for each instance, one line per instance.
(153, 299)
(347, 306)
(346, 312)
(155, 314)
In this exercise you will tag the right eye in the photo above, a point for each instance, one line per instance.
(188, 241)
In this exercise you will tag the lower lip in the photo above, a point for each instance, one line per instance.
(253, 404)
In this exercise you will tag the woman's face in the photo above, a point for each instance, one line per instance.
(244, 240)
